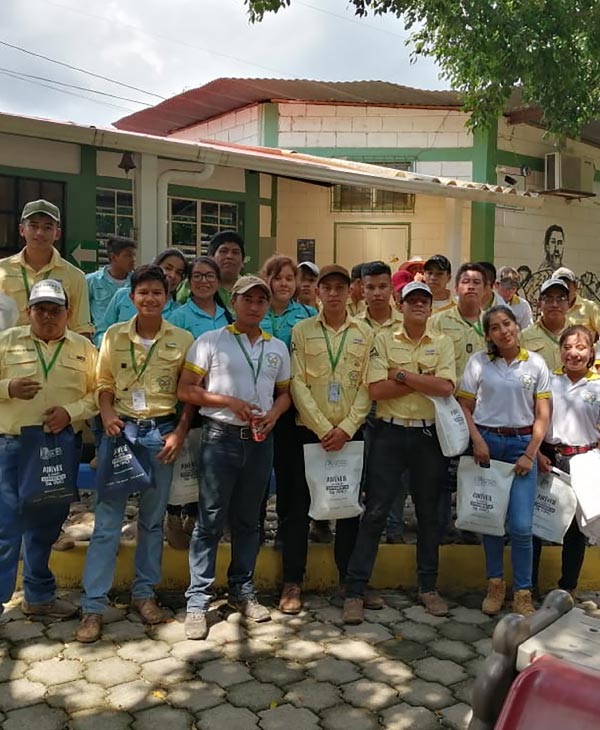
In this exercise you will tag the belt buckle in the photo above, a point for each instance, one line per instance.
(145, 422)
(245, 433)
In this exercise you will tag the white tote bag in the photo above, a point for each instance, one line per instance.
(554, 508)
(184, 484)
(482, 496)
(450, 425)
(334, 479)
(585, 473)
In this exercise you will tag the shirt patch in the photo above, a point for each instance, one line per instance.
(357, 341)
(589, 397)
(166, 383)
(430, 351)
(526, 381)
(272, 360)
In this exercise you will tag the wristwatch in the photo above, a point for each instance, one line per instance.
(401, 376)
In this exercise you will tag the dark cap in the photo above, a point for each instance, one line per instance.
(331, 269)
(309, 266)
(440, 261)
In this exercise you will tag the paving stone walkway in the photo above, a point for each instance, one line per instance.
(401, 670)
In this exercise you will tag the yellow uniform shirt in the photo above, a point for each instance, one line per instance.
(157, 381)
(15, 271)
(467, 337)
(586, 313)
(70, 382)
(433, 354)
(442, 306)
(538, 339)
(355, 310)
(392, 323)
(312, 375)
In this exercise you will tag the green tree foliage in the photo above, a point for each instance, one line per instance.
(548, 50)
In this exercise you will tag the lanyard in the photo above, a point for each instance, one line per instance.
(282, 321)
(26, 282)
(47, 367)
(334, 360)
(475, 325)
(255, 372)
(146, 361)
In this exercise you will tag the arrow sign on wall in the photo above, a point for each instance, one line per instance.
(81, 254)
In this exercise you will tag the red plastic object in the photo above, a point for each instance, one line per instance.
(551, 694)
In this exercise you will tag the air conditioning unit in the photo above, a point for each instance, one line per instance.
(569, 175)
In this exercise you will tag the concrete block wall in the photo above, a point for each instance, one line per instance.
(333, 125)
(240, 126)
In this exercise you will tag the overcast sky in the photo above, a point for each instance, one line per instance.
(168, 46)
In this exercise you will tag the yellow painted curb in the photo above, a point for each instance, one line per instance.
(462, 567)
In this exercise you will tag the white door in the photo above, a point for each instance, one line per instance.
(356, 243)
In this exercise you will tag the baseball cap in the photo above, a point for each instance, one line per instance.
(414, 265)
(331, 269)
(549, 283)
(440, 261)
(416, 286)
(245, 283)
(40, 206)
(48, 290)
(564, 273)
(508, 274)
(400, 279)
(311, 266)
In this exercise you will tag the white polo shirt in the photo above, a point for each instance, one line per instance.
(505, 394)
(219, 358)
(575, 410)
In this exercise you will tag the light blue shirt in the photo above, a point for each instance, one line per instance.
(101, 289)
(280, 325)
(195, 320)
(121, 309)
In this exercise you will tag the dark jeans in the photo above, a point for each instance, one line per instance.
(391, 450)
(294, 531)
(233, 473)
(574, 542)
(286, 436)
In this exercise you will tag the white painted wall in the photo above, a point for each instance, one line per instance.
(39, 154)
(240, 126)
(334, 125)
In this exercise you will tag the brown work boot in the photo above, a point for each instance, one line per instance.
(189, 522)
(149, 610)
(54, 609)
(63, 543)
(291, 598)
(434, 603)
(494, 598)
(90, 628)
(372, 600)
(523, 603)
(353, 612)
(174, 533)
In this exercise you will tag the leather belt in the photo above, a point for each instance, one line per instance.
(565, 450)
(241, 432)
(501, 431)
(149, 422)
(409, 422)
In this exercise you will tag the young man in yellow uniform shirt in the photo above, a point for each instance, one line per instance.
(378, 292)
(39, 260)
(543, 336)
(47, 377)
(581, 311)
(138, 370)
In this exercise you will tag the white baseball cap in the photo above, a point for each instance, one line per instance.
(48, 290)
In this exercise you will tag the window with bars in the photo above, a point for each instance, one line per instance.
(350, 199)
(14, 193)
(114, 217)
(192, 223)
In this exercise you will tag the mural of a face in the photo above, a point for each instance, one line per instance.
(554, 244)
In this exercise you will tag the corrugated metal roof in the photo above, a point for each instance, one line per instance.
(224, 95)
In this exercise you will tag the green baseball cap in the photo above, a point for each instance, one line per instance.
(40, 206)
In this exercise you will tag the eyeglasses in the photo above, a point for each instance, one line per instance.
(555, 300)
(209, 276)
(48, 312)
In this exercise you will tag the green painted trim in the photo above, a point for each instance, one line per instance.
(224, 196)
(81, 208)
(265, 201)
(483, 215)
(252, 227)
(116, 183)
(393, 154)
(514, 159)
(38, 174)
(408, 224)
(274, 200)
(269, 125)
(597, 176)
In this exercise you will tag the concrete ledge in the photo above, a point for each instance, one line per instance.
(462, 567)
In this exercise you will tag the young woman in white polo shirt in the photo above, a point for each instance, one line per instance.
(505, 394)
(573, 430)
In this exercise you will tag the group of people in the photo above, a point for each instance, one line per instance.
(263, 365)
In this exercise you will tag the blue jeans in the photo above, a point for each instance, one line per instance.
(99, 568)
(233, 473)
(37, 526)
(519, 516)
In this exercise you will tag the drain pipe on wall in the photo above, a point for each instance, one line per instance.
(185, 177)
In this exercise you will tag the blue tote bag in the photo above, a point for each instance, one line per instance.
(119, 470)
(48, 464)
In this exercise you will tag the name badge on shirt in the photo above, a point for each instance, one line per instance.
(138, 400)
(334, 392)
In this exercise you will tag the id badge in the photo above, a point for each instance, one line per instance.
(334, 392)
(138, 400)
